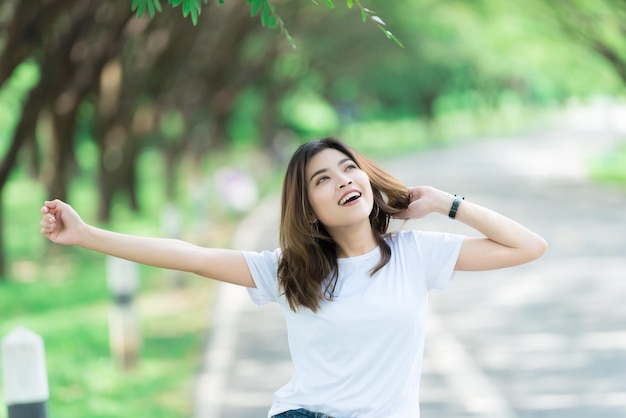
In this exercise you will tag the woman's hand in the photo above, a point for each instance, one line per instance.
(60, 223)
(425, 200)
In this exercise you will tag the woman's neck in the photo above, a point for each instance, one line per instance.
(354, 241)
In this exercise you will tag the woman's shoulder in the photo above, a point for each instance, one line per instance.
(404, 235)
(419, 237)
(268, 257)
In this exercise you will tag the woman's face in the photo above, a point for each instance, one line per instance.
(339, 192)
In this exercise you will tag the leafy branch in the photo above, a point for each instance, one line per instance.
(190, 8)
(371, 15)
(264, 8)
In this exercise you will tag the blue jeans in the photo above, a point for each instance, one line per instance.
(301, 413)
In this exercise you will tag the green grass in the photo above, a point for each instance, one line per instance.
(67, 303)
(61, 294)
(84, 379)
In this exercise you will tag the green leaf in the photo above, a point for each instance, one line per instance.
(139, 6)
(193, 8)
(157, 5)
(265, 13)
(272, 23)
(350, 3)
(150, 8)
(396, 40)
(285, 33)
(175, 3)
(255, 7)
(330, 3)
(391, 36)
(364, 15)
(218, 2)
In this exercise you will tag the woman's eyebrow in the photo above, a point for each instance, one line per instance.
(320, 171)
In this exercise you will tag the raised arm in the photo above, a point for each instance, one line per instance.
(505, 243)
(61, 224)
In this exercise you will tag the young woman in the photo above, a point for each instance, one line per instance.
(354, 296)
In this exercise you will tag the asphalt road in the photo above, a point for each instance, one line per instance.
(546, 339)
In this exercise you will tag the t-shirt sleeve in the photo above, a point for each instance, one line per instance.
(439, 252)
(264, 269)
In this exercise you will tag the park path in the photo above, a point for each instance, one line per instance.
(546, 339)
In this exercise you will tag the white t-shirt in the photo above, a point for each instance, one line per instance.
(360, 355)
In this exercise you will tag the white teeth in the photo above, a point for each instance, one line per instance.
(349, 196)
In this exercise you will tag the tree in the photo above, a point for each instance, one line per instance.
(53, 34)
(99, 54)
(598, 26)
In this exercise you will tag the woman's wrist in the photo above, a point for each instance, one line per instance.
(456, 203)
(84, 235)
(442, 202)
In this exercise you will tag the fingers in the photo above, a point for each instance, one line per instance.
(48, 220)
(51, 206)
(48, 223)
(45, 208)
(415, 193)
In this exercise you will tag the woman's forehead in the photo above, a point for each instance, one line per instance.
(326, 158)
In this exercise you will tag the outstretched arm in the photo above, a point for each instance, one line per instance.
(505, 243)
(61, 224)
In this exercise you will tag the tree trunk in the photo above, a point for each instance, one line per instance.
(113, 156)
(3, 262)
(63, 135)
(129, 185)
(427, 105)
(106, 190)
(171, 164)
(29, 25)
(118, 156)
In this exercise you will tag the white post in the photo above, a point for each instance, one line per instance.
(24, 374)
(123, 279)
(124, 340)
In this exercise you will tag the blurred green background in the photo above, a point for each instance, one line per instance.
(127, 117)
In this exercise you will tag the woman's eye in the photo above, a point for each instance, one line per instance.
(350, 167)
(321, 179)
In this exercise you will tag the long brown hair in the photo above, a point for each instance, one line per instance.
(308, 268)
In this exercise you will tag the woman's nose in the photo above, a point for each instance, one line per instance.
(343, 182)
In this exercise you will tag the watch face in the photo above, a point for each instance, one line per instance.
(453, 209)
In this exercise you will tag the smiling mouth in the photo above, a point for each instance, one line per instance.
(350, 197)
